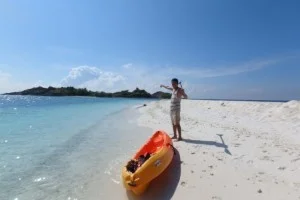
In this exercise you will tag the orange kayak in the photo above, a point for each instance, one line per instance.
(159, 148)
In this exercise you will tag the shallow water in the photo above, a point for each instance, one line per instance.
(65, 147)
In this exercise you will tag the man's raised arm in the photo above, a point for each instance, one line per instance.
(168, 88)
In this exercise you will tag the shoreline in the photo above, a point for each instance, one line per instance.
(159, 99)
(234, 149)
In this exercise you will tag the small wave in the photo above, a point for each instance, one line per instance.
(69, 198)
(39, 179)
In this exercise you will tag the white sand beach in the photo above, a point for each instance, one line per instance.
(231, 150)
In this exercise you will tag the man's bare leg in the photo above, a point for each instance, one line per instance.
(174, 131)
(179, 132)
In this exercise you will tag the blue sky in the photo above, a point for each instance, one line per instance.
(219, 49)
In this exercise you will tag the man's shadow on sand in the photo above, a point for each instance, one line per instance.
(210, 143)
(164, 186)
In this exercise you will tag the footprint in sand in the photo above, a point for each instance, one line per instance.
(216, 198)
(259, 191)
(297, 185)
(236, 144)
(267, 158)
(295, 160)
(183, 183)
(250, 161)
(281, 168)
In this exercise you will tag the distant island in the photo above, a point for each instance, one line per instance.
(71, 91)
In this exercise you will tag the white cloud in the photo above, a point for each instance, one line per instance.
(92, 78)
(204, 72)
(127, 66)
(81, 74)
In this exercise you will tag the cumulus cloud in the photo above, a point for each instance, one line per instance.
(81, 74)
(92, 78)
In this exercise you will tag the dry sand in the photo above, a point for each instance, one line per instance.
(231, 150)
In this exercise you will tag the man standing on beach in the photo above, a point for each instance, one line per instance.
(177, 94)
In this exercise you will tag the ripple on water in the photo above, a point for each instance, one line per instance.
(69, 198)
(39, 179)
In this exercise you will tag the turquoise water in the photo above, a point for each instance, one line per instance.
(55, 147)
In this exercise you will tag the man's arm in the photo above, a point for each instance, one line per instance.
(182, 93)
(168, 88)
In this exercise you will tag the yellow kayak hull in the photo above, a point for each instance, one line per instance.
(161, 150)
